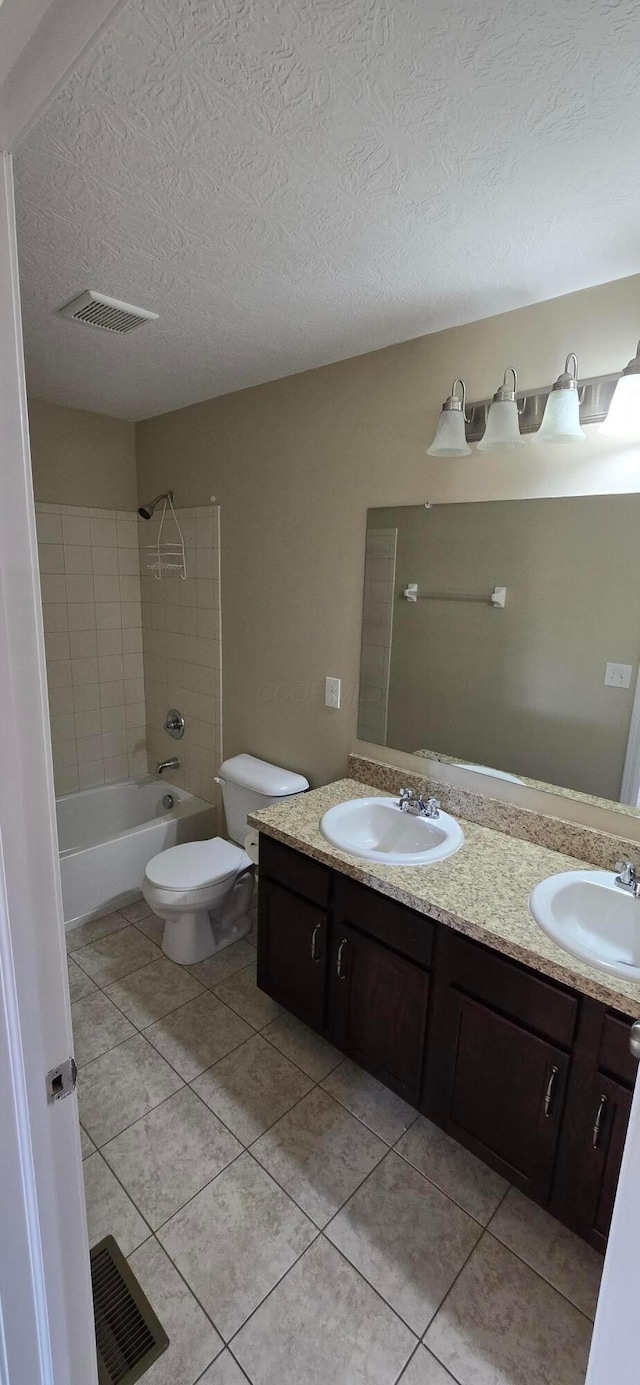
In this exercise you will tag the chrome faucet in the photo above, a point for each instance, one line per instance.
(627, 879)
(417, 805)
(167, 764)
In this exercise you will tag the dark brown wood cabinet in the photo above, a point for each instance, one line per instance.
(292, 944)
(531, 1076)
(504, 1092)
(377, 1009)
(595, 1124)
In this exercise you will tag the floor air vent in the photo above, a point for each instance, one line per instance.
(129, 1337)
(98, 310)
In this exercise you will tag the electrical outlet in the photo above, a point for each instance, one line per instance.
(618, 675)
(332, 692)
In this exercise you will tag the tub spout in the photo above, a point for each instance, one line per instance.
(167, 764)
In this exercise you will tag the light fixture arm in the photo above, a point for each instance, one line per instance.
(568, 380)
(504, 392)
(453, 401)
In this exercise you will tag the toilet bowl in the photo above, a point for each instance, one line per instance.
(203, 890)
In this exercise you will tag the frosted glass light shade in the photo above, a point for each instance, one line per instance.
(450, 439)
(623, 418)
(502, 432)
(561, 421)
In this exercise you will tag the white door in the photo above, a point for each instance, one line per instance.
(615, 1349)
(46, 1317)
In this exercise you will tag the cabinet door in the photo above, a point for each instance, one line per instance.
(590, 1155)
(612, 1106)
(292, 936)
(378, 1009)
(504, 1091)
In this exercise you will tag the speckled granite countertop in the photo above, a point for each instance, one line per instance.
(481, 891)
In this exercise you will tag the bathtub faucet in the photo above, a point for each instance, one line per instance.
(167, 764)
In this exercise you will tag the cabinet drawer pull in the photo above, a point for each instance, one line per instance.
(549, 1092)
(314, 952)
(597, 1124)
(340, 973)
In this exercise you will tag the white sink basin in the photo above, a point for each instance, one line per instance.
(377, 830)
(591, 917)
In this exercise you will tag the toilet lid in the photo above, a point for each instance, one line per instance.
(194, 864)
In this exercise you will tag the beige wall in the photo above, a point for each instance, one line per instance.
(521, 689)
(82, 459)
(296, 463)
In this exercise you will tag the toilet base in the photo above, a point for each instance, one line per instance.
(191, 937)
(194, 934)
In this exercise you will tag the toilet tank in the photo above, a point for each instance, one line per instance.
(249, 784)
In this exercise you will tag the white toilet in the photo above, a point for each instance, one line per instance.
(203, 890)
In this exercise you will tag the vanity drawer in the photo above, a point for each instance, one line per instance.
(614, 1056)
(522, 995)
(383, 919)
(295, 871)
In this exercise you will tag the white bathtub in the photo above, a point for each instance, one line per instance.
(107, 835)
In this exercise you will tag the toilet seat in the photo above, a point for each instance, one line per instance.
(194, 866)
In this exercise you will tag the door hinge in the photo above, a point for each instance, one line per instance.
(61, 1081)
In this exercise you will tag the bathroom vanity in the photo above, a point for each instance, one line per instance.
(533, 1075)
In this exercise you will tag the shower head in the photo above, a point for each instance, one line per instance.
(146, 511)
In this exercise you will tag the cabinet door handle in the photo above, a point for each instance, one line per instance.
(314, 951)
(340, 973)
(548, 1096)
(597, 1124)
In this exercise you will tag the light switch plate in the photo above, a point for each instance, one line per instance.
(332, 692)
(618, 675)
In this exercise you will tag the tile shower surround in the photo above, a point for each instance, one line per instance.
(90, 583)
(123, 647)
(181, 634)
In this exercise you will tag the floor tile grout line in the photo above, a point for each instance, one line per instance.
(317, 1081)
(142, 1033)
(538, 1274)
(446, 1296)
(378, 1295)
(450, 1196)
(240, 1368)
(314, 1238)
(133, 1122)
(105, 991)
(190, 1290)
(276, 1118)
(362, 1273)
(275, 1286)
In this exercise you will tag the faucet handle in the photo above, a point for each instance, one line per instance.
(431, 809)
(626, 872)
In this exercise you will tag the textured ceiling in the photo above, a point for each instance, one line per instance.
(290, 182)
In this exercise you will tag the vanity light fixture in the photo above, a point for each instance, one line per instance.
(450, 437)
(502, 432)
(561, 419)
(623, 418)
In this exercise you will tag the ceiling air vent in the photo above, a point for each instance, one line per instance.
(98, 310)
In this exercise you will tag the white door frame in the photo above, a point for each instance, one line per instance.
(46, 1317)
(46, 1312)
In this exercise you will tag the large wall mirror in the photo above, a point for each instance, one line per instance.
(540, 688)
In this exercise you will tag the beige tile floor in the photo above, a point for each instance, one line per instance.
(292, 1221)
